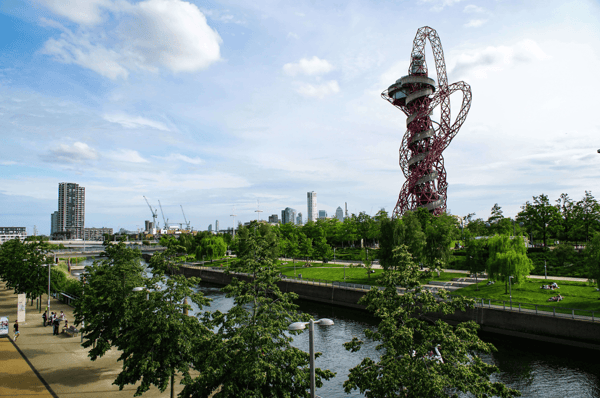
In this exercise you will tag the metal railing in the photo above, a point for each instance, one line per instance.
(538, 309)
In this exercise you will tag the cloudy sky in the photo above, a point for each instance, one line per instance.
(217, 105)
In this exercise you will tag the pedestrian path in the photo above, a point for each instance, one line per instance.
(60, 361)
(17, 377)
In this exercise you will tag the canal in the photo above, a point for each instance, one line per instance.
(537, 369)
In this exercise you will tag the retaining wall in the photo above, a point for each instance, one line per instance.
(525, 325)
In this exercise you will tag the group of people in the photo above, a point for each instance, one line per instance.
(551, 286)
(556, 298)
(55, 320)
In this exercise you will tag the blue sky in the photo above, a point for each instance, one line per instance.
(216, 105)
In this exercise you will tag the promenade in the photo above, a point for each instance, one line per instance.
(40, 365)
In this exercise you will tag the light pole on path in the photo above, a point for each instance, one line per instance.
(311, 331)
(510, 290)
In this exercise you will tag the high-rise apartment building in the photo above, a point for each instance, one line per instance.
(53, 223)
(273, 219)
(71, 210)
(299, 219)
(288, 215)
(217, 226)
(98, 233)
(311, 198)
(322, 214)
(209, 227)
(339, 214)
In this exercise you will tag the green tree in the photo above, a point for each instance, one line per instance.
(508, 257)
(440, 232)
(322, 249)
(103, 306)
(539, 216)
(160, 339)
(496, 214)
(588, 215)
(477, 255)
(305, 247)
(406, 336)
(591, 254)
(567, 217)
(250, 354)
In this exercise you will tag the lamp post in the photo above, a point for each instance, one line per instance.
(510, 290)
(311, 331)
(545, 272)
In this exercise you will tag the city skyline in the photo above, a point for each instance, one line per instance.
(215, 106)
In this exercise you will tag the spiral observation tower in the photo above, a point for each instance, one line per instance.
(421, 150)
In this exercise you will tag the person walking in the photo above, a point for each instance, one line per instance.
(62, 316)
(16, 327)
(56, 324)
(45, 318)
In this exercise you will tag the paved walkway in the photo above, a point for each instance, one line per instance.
(62, 364)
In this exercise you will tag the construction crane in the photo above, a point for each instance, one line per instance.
(187, 223)
(154, 214)
(163, 215)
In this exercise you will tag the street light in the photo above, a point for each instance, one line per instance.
(510, 290)
(311, 330)
(545, 273)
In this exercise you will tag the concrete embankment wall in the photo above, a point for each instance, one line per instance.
(525, 325)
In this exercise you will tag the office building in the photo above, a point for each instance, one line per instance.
(311, 198)
(273, 219)
(299, 219)
(288, 215)
(71, 211)
(98, 233)
(217, 226)
(209, 227)
(322, 214)
(9, 233)
(339, 214)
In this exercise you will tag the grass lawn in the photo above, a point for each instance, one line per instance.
(578, 295)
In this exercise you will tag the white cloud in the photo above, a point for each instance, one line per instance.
(439, 5)
(311, 67)
(126, 155)
(181, 158)
(132, 122)
(475, 23)
(85, 12)
(7, 163)
(79, 152)
(317, 90)
(492, 59)
(292, 35)
(151, 34)
(473, 9)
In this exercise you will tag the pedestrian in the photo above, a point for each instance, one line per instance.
(62, 316)
(16, 327)
(56, 324)
(45, 318)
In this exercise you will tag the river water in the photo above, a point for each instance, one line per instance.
(536, 369)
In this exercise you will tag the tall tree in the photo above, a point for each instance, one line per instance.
(591, 255)
(103, 306)
(568, 217)
(250, 354)
(539, 216)
(406, 336)
(440, 232)
(477, 255)
(508, 257)
(495, 214)
(588, 214)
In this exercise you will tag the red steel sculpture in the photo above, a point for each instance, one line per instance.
(421, 157)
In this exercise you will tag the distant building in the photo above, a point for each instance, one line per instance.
(311, 198)
(209, 227)
(273, 219)
(299, 219)
(9, 233)
(288, 215)
(98, 233)
(53, 223)
(339, 214)
(217, 226)
(71, 211)
(149, 227)
(322, 214)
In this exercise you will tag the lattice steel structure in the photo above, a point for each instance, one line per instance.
(421, 157)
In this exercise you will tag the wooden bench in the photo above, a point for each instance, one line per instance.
(71, 331)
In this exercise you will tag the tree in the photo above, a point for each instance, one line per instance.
(440, 231)
(160, 339)
(406, 336)
(568, 216)
(477, 255)
(496, 214)
(250, 353)
(103, 306)
(588, 214)
(508, 257)
(322, 249)
(539, 216)
(591, 255)
(305, 248)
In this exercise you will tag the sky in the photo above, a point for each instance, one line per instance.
(226, 107)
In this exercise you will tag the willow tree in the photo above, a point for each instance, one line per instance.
(508, 257)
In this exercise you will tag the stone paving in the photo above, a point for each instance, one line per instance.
(60, 361)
